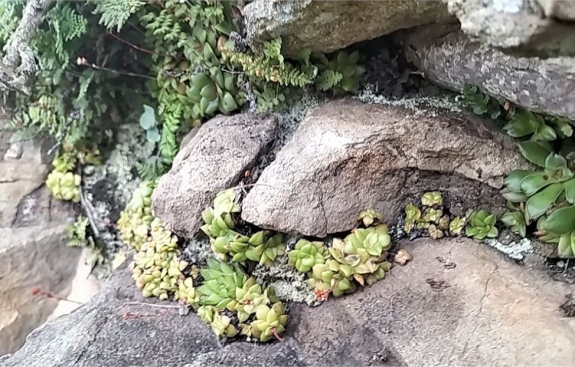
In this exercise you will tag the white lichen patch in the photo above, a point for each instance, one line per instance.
(515, 250)
(290, 116)
(421, 104)
(288, 283)
(197, 250)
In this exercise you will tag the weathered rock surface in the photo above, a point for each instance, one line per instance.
(524, 26)
(215, 159)
(457, 303)
(330, 25)
(33, 251)
(451, 60)
(347, 156)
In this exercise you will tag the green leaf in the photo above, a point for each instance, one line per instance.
(538, 204)
(561, 221)
(545, 132)
(229, 102)
(520, 127)
(566, 246)
(153, 135)
(148, 118)
(570, 191)
(555, 161)
(513, 180)
(535, 182)
(534, 152)
(514, 197)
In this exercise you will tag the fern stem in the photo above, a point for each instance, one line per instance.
(111, 33)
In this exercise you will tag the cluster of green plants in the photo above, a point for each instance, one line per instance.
(431, 218)
(222, 294)
(200, 71)
(358, 259)
(541, 198)
(220, 226)
(135, 222)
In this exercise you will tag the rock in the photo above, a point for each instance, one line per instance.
(330, 25)
(449, 59)
(520, 26)
(33, 251)
(215, 159)
(456, 294)
(347, 156)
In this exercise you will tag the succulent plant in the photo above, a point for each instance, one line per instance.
(220, 283)
(186, 292)
(213, 91)
(402, 257)
(516, 221)
(221, 324)
(269, 323)
(65, 162)
(343, 72)
(435, 232)
(481, 225)
(566, 245)
(456, 226)
(135, 221)
(412, 216)
(262, 246)
(433, 198)
(77, 232)
(156, 267)
(64, 186)
(306, 254)
(432, 215)
(369, 216)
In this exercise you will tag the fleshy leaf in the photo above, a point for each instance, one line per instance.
(561, 221)
(534, 152)
(538, 204)
(148, 118)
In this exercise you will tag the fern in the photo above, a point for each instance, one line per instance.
(115, 13)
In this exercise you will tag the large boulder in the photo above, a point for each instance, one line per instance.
(347, 156)
(456, 303)
(537, 27)
(33, 251)
(450, 59)
(330, 25)
(215, 159)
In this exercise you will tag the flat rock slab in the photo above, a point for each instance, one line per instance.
(347, 156)
(456, 303)
(331, 25)
(215, 159)
(450, 59)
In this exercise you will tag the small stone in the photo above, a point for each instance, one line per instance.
(560, 264)
(14, 152)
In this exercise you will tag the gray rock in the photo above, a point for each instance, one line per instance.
(215, 159)
(522, 26)
(456, 303)
(33, 251)
(451, 60)
(330, 25)
(348, 156)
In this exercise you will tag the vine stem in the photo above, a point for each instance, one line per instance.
(37, 291)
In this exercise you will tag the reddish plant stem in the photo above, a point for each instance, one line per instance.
(279, 338)
(39, 292)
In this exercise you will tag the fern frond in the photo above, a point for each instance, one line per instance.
(115, 13)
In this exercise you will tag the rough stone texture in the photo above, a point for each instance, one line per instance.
(33, 251)
(347, 156)
(215, 159)
(456, 303)
(449, 59)
(330, 25)
(521, 26)
(559, 9)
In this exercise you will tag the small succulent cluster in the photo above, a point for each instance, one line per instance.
(135, 221)
(545, 197)
(77, 232)
(360, 258)
(262, 247)
(431, 218)
(63, 182)
(157, 269)
(481, 225)
(234, 304)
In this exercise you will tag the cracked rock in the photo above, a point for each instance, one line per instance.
(347, 156)
(215, 159)
(451, 60)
